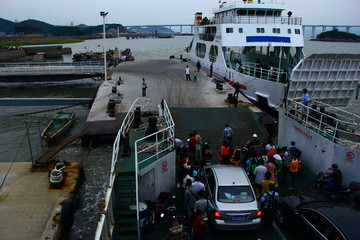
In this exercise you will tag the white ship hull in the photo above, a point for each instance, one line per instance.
(263, 54)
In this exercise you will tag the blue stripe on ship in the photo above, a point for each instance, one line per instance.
(267, 39)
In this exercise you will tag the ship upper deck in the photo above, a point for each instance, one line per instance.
(277, 5)
(251, 12)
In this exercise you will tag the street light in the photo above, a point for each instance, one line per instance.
(103, 14)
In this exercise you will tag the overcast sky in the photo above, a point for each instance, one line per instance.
(146, 12)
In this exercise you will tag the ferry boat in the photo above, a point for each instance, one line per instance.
(251, 44)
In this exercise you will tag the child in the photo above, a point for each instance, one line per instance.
(195, 75)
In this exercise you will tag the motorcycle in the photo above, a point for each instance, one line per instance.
(207, 153)
(169, 202)
(343, 193)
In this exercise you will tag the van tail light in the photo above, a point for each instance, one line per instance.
(258, 215)
(217, 215)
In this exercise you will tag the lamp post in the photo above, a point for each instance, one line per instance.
(103, 14)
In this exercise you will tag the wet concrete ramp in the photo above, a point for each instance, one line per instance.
(210, 124)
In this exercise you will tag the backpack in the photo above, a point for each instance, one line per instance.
(229, 133)
(272, 202)
(253, 165)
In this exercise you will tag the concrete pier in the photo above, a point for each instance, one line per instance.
(29, 208)
(165, 80)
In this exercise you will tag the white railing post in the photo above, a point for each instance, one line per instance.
(335, 129)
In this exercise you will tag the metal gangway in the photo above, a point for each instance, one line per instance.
(51, 68)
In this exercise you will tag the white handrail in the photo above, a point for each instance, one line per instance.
(106, 222)
(329, 118)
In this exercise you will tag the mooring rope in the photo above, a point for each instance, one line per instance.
(13, 161)
(151, 147)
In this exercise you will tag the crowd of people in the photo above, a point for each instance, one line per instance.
(267, 165)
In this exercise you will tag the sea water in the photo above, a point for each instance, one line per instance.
(14, 143)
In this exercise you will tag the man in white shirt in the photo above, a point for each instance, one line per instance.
(259, 173)
(187, 73)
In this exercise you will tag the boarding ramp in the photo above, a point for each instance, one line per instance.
(333, 79)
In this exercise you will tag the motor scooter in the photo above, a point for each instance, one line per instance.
(207, 153)
(343, 193)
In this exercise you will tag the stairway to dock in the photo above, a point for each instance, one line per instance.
(126, 220)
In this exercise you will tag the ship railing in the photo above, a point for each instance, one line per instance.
(107, 220)
(42, 64)
(273, 74)
(212, 58)
(167, 141)
(257, 20)
(200, 54)
(233, 4)
(333, 123)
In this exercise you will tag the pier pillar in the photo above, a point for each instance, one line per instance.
(347, 29)
(181, 28)
(323, 28)
(313, 30)
(192, 29)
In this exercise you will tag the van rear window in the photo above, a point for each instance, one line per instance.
(235, 194)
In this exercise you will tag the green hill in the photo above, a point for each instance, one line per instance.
(32, 26)
(6, 26)
(337, 36)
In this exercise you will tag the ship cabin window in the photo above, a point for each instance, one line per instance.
(273, 13)
(260, 13)
(207, 33)
(289, 31)
(276, 30)
(241, 12)
(213, 53)
(251, 12)
(297, 31)
(229, 30)
(200, 50)
(260, 30)
(241, 30)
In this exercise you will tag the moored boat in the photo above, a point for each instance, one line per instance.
(250, 44)
(58, 125)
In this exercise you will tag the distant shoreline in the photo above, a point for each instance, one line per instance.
(26, 40)
(335, 40)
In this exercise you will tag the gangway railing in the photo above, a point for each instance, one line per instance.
(50, 68)
(272, 74)
(107, 219)
(333, 123)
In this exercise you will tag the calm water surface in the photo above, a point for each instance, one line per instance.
(14, 144)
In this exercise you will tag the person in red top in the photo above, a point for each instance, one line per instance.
(199, 226)
(224, 153)
(192, 146)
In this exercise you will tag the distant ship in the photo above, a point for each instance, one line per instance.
(250, 44)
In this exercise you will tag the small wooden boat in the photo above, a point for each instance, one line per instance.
(58, 125)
